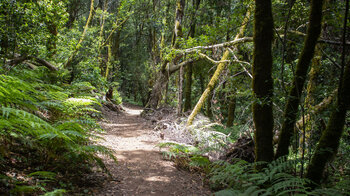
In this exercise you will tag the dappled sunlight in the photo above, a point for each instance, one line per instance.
(122, 125)
(140, 163)
(133, 112)
(158, 179)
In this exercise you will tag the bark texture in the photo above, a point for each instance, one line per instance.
(231, 111)
(329, 141)
(189, 69)
(188, 88)
(262, 81)
(330, 138)
(291, 109)
(180, 6)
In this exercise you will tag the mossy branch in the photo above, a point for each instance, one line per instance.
(219, 68)
(209, 88)
(77, 47)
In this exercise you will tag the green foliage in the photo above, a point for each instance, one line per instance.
(57, 192)
(277, 178)
(186, 156)
(31, 25)
(55, 124)
(234, 131)
(177, 150)
(43, 175)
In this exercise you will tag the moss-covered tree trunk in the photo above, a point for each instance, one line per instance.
(188, 87)
(86, 27)
(209, 110)
(180, 8)
(329, 142)
(189, 69)
(293, 99)
(310, 97)
(262, 81)
(164, 72)
(209, 88)
(217, 72)
(109, 60)
(231, 111)
(157, 90)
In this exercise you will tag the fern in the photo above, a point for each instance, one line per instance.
(26, 123)
(242, 179)
(57, 192)
(50, 123)
(43, 175)
(47, 125)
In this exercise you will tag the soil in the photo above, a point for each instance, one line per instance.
(141, 169)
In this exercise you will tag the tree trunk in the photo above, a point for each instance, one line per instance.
(156, 93)
(310, 98)
(293, 99)
(77, 47)
(209, 110)
(329, 142)
(262, 81)
(180, 8)
(189, 71)
(217, 73)
(188, 88)
(231, 111)
(109, 60)
(179, 96)
(165, 70)
(209, 88)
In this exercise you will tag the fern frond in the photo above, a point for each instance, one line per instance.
(57, 192)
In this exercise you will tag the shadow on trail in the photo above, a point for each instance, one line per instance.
(141, 169)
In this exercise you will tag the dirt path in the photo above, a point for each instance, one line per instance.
(141, 169)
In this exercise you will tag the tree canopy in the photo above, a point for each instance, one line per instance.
(275, 70)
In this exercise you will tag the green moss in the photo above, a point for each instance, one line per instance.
(188, 88)
(291, 109)
(329, 142)
(231, 112)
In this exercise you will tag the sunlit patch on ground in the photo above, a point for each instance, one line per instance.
(158, 179)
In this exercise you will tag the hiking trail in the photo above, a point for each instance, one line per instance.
(141, 170)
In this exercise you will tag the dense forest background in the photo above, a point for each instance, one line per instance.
(276, 70)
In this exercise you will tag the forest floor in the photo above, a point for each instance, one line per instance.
(141, 169)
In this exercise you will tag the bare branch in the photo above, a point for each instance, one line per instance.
(119, 25)
(20, 59)
(210, 59)
(241, 63)
(225, 44)
(46, 64)
(173, 68)
(320, 40)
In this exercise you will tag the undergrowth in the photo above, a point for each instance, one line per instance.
(46, 132)
(242, 178)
